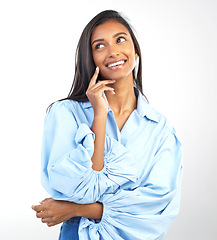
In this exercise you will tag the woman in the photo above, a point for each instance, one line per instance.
(111, 163)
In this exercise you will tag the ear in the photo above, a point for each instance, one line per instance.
(136, 55)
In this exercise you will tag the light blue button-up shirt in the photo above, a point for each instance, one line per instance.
(139, 185)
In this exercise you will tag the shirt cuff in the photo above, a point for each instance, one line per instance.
(92, 227)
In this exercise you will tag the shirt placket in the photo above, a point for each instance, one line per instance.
(112, 128)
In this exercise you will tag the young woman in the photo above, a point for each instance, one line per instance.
(111, 163)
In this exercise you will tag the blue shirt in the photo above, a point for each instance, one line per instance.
(139, 185)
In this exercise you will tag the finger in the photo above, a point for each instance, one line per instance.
(99, 85)
(49, 224)
(100, 89)
(104, 82)
(94, 78)
(42, 214)
(38, 208)
(47, 220)
(111, 90)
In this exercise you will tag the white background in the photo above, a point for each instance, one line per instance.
(37, 46)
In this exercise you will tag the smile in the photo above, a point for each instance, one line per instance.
(115, 65)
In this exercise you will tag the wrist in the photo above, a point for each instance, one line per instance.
(99, 123)
(92, 210)
(81, 210)
(75, 209)
(100, 115)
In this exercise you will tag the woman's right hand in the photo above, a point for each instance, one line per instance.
(94, 93)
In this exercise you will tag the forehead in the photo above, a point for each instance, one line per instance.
(108, 29)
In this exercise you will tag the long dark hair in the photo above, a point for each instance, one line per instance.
(84, 63)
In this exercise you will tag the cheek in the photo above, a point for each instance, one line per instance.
(94, 59)
(130, 52)
(98, 59)
(132, 58)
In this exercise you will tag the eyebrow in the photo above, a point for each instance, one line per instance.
(102, 39)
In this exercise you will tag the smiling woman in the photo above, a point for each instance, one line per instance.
(113, 51)
(111, 163)
(85, 65)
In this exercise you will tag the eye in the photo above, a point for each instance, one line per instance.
(121, 39)
(99, 45)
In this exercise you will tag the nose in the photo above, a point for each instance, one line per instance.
(113, 50)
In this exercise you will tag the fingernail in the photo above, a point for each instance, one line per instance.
(32, 207)
(97, 68)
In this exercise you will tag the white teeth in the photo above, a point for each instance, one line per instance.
(116, 63)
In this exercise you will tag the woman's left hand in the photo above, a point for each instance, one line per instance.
(53, 212)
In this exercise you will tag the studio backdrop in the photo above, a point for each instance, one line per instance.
(37, 50)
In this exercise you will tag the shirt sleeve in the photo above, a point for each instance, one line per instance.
(67, 148)
(149, 209)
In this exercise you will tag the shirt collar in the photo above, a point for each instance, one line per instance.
(143, 107)
(86, 104)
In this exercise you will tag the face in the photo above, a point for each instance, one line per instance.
(113, 50)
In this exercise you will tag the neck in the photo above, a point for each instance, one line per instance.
(124, 98)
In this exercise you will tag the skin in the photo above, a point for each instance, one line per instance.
(111, 43)
(53, 212)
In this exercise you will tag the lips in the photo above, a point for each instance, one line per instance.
(116, 64)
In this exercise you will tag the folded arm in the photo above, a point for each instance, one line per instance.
(151, 207)
(53, 212)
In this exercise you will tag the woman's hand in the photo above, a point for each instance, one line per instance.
(100, 108)
(94, 93)
(53, 212)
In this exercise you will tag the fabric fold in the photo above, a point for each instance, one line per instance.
(149, 208)
(71, 177)
(139, 185)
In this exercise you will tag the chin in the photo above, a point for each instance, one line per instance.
(116, 76)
